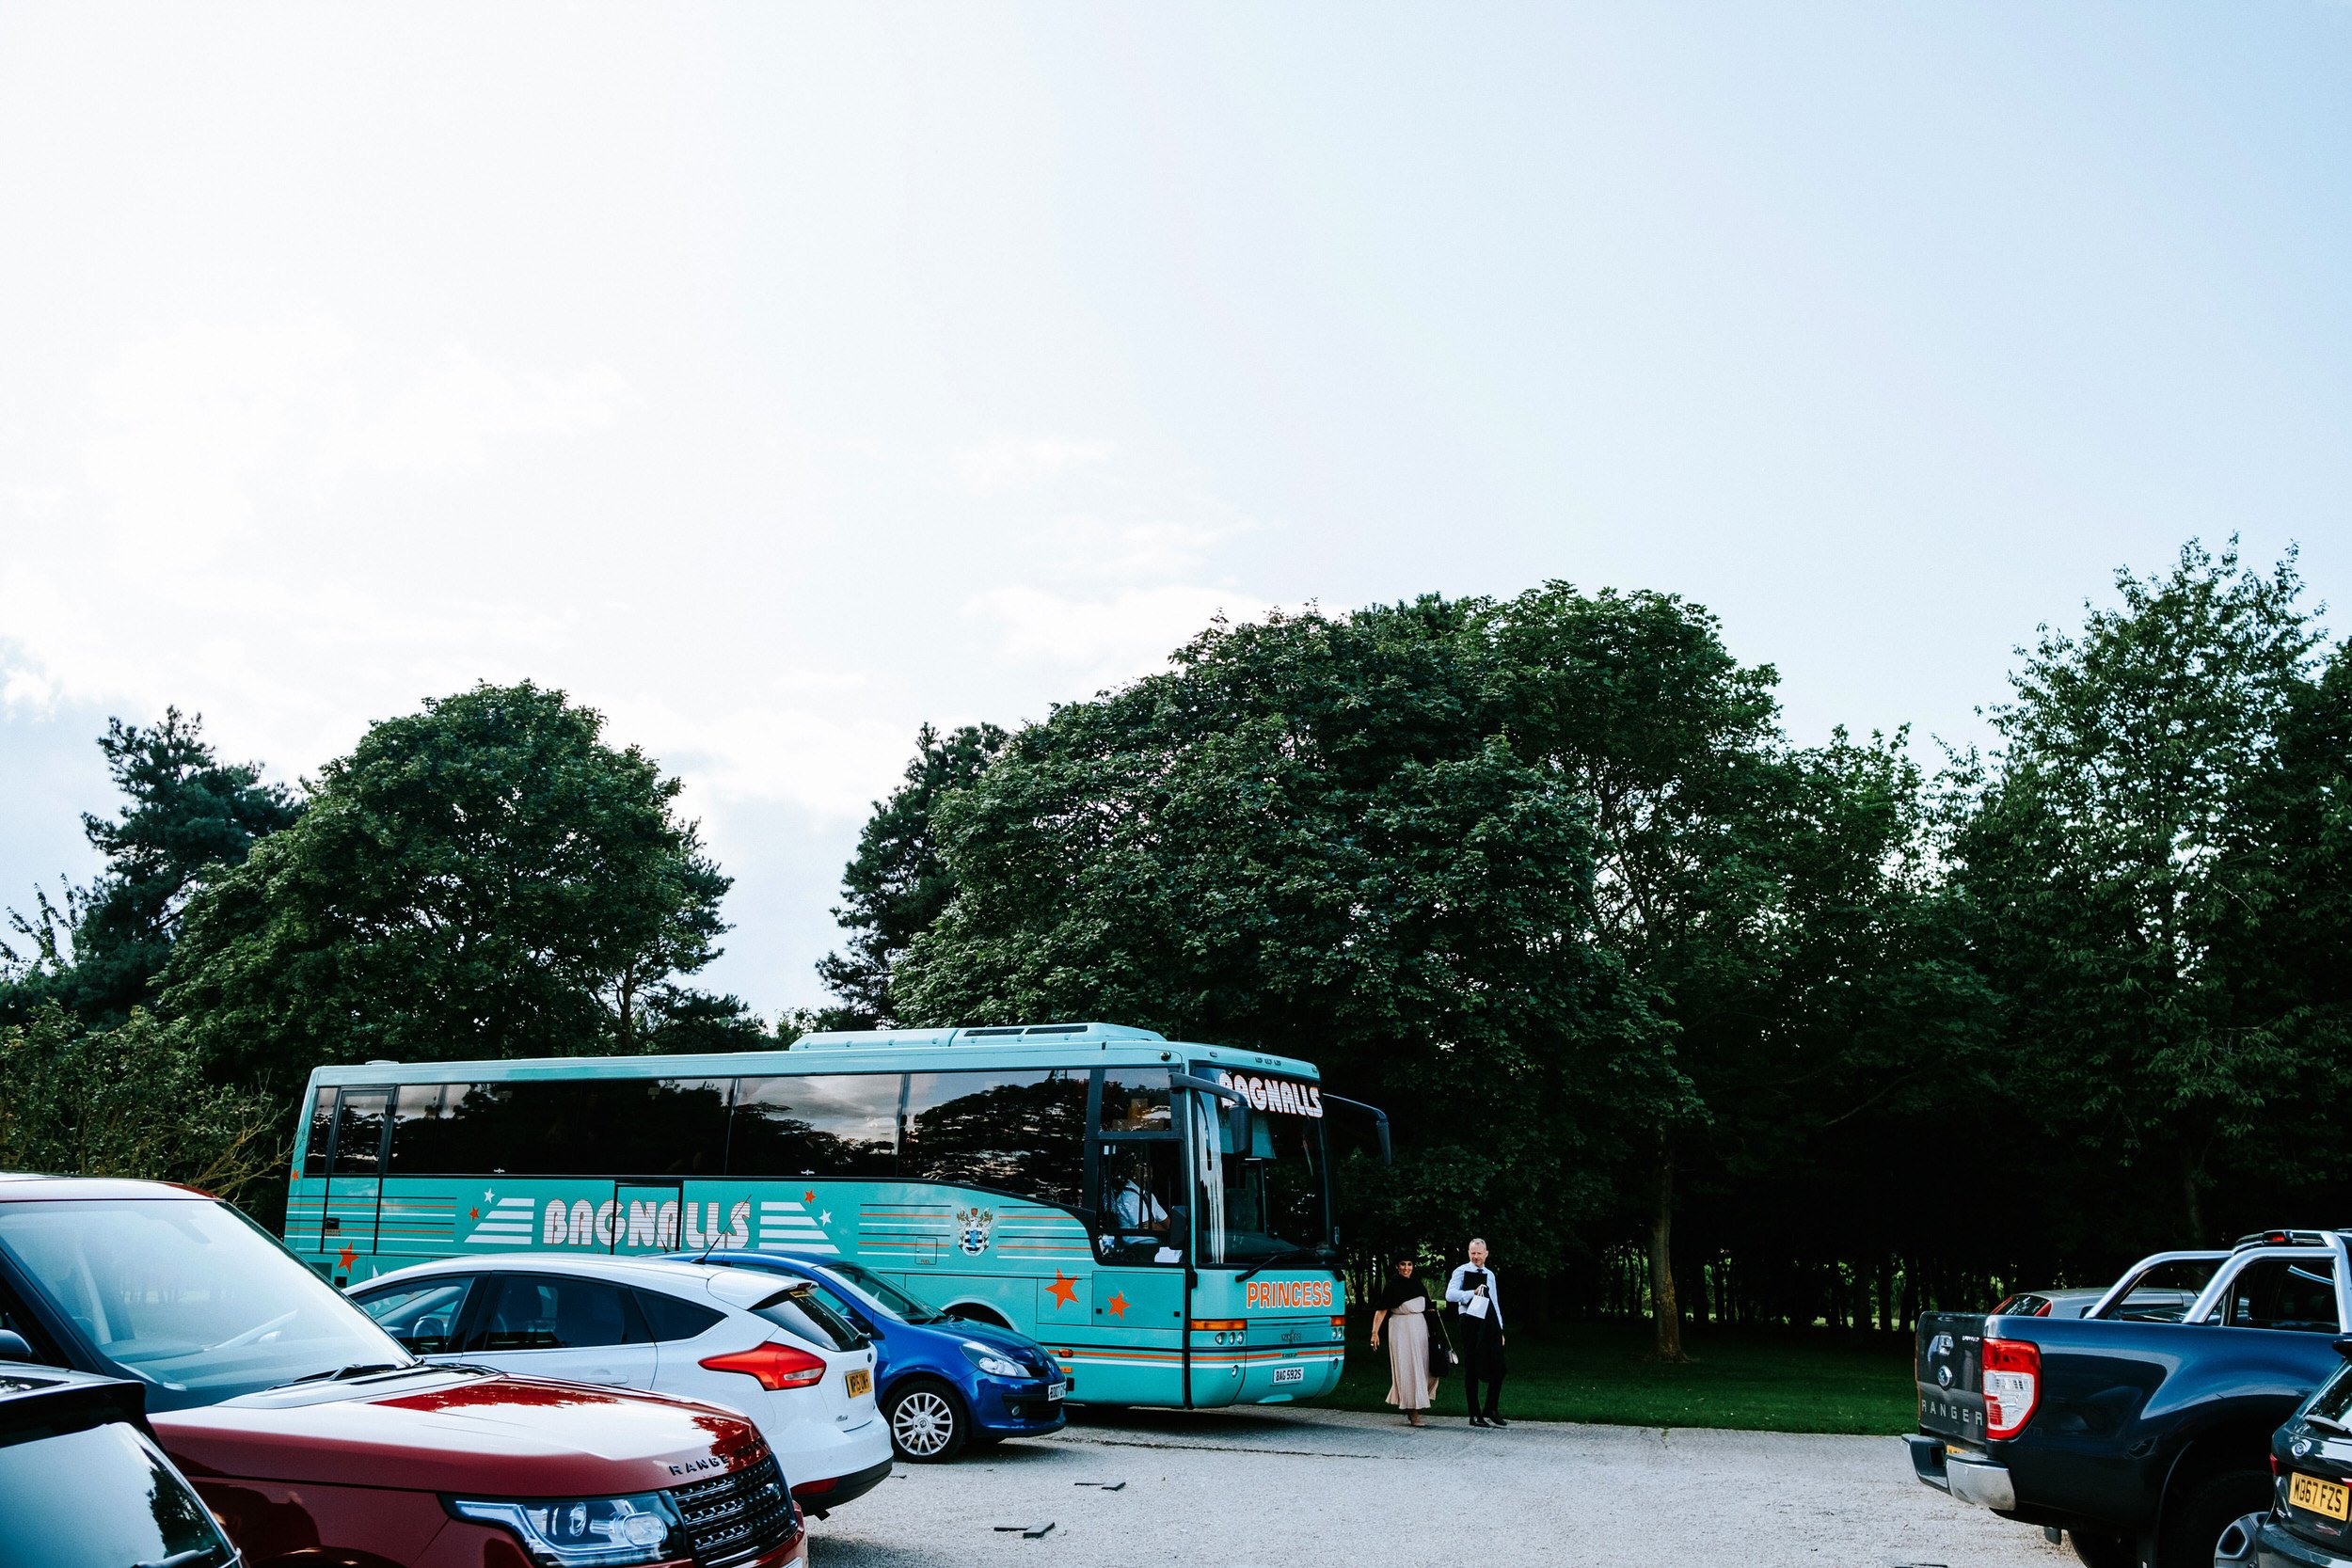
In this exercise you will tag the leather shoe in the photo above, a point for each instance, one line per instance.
(1478, 1420)
(1497, 1421)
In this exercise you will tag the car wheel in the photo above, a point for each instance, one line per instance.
(2102, 1551)
(927, 1423)
(2195, 1523)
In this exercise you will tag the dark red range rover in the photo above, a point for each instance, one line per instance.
(316, 1439)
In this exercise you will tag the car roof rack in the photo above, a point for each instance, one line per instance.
(2280, 1237)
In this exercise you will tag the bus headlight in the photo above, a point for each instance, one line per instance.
(585, 1532)
(988, 1359)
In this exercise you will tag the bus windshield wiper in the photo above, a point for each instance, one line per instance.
(1288, 1255)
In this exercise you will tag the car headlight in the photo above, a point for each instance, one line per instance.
(990, 1360)
(586, 1532)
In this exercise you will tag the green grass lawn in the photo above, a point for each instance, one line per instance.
(1756, 1380)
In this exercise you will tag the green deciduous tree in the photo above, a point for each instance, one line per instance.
(130, 1100)
(2136, 859)
(897, 883)
(485, 878)
(1315, 835)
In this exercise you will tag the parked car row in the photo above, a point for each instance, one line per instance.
(177, 1389)
(2194, 1412)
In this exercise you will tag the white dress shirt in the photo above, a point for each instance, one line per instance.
(1134, 1208)
(1460, 1295)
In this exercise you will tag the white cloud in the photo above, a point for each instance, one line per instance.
(447, 417)
(1018, 461)
(1108, 639)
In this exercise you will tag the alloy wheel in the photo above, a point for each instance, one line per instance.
(922, 1424)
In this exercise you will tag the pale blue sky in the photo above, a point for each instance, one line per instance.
(778, 378)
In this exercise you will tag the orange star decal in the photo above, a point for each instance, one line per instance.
(343, 1258)
(1064, 1290)
(473, 1213)
(1118, 1305)
(809, 1197)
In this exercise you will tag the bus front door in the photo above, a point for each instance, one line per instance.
(1136, 1317)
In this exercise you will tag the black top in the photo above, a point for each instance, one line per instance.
(1396, 1290)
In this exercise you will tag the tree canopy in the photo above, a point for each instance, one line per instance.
(484, 878)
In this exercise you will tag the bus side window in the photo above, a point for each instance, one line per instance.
(1139, 1219)
(1018, 1131)
(1136, 1103)
(826, 1125)
(321, 1132)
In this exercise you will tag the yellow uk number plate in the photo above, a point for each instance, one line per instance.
(862, 1382)
(2314, 1495)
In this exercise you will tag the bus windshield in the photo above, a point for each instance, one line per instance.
(1261, 1177)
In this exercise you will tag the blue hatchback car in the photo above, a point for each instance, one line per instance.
(942, 1382)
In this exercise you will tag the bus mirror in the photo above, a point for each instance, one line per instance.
(1379, 1121)
(1208, 1085)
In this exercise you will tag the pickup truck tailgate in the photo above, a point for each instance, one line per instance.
(1949, 1366)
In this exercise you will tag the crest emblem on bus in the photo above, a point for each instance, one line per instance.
(972, 1227)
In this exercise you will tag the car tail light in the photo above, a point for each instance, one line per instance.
(2012, 1386)
(776, 1366)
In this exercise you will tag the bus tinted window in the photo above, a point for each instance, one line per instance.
(845, 1125)
(1022, 1132)
(359, 1132)
(607, 1126)
(1134, 1101)
(424, 1129)
(321, 1130)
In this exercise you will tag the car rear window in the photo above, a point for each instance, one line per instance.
(672, 1318)
(800, 1312)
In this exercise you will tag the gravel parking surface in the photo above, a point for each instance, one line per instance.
(1274, 1487)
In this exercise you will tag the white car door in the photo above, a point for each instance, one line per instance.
(560, 1326)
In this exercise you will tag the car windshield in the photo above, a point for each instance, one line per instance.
(191, 1298)
(881, 1296)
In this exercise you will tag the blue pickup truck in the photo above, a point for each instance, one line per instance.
(2144, 1437)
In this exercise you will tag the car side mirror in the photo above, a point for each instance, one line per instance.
(427, 1336)
(14, 1346)
(2344, 1347)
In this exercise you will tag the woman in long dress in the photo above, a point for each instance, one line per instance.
(1403, 1307)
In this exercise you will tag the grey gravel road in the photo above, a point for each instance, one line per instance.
(1323, 1487)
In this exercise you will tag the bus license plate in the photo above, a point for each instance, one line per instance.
(1056, 1390)
(2314, 1495)
(1290, 1374)
(861, 1382)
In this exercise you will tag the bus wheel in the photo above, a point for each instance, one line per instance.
(927, 1425)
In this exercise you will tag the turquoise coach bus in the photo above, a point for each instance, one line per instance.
(1156, 1213)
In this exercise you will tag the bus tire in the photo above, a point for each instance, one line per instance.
(928, 1424)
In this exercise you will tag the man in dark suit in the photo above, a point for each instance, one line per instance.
(1478, 1308)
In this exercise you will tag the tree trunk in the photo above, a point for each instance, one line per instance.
(1666, 1310)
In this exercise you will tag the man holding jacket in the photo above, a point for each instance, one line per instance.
(1478, 1308)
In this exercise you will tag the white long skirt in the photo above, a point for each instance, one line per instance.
(1411, 1386)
